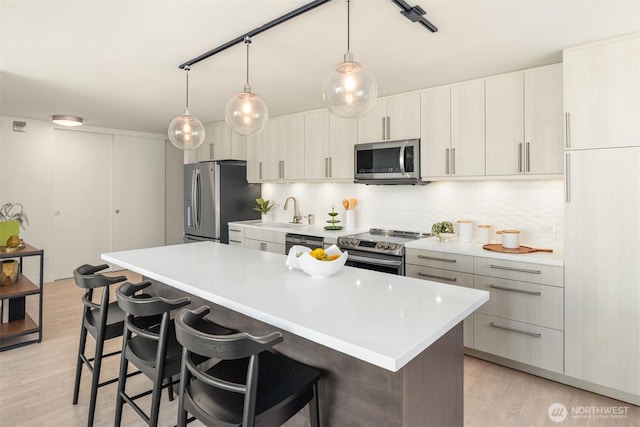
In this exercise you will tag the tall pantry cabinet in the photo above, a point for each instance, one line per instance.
(602, 215)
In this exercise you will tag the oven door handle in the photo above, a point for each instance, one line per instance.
(374, 261)
(401, 159)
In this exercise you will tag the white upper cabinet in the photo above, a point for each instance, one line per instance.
(602, 94)
(467, 156)
(505, 124)
(543, 124)
(224, 143)
(435, 132)
(524, 122)
(343, 134)
(393, 118)
(328, 146)
(283, 148)
(254, 158)
(316, 144)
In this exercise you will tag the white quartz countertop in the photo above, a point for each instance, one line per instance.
(555, 258)
(304, 229)
(383, 319)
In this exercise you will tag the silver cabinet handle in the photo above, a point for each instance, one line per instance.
(235, 229)
(330, 167)
(436, 258)
(567, 177)
(235, 241)
(117, 211)
(388, 127)
(520, 157)
(281, 167)
(521, 291)
(260, 170)
(520, 270)
(567, 130)
(520, 331)
(263, 246)
(384, 122)
(326, 167)
(453, 161)
(431, 276)
(527, 154)
(446, 161)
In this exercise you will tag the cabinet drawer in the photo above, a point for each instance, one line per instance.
(525, 302)
(521, 271)
(440, 275)
(522, 342)
(261, 245)
(444, 260)
(236, 235)
(264, 235)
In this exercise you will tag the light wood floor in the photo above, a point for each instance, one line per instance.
(36, 383)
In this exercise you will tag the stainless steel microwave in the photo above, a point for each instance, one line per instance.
(388, 162)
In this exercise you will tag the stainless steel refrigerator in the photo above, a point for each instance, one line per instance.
(215, 193)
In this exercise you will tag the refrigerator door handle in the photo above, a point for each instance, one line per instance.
(196, 198)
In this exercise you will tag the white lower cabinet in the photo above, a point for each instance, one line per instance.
(447, 268)
(524, 318)
(519, 341)
(236, 235)
(264, 240)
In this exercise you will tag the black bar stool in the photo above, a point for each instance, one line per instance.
(103, 321)
(249, 386)
(152, 349)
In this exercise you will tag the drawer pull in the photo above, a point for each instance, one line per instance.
(436, 259)
(516, 290)
(450, 279)
(521, 270)
(235, 241)
(235, 230)
(520, 331)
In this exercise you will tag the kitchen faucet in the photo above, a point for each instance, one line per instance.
(297, 218)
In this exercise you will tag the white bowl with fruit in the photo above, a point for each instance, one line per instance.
(317, 262)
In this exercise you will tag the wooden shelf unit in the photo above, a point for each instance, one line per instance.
(14, 300)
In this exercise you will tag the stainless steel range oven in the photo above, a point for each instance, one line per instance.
(378, 249)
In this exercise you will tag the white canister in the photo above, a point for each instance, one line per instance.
(510, 238)
(465, 230)
(483, 233)
(349, 219)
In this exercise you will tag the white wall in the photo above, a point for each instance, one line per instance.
(533, 206)
(26, 176)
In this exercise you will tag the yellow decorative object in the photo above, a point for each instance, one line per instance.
(9, 272)
(13, 242)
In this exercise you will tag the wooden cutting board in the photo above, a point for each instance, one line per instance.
(497, 247)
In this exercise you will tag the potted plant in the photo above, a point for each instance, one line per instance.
(12, 217)
(263, 207)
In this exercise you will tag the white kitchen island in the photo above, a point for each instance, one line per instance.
(390, 347)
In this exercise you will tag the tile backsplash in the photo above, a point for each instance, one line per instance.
(535, 207)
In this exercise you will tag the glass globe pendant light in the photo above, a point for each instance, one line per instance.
(186, 132)
(246, 113)
(350, 90)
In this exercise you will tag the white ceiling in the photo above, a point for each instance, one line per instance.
(115, 62)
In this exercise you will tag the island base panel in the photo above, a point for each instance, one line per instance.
(428, 391)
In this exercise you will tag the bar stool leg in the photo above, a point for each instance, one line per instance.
(81, 347)
(122, 378)
(95, 378)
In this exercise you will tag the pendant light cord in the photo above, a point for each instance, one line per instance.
(186, 69)
(247, 42)
(348, 26)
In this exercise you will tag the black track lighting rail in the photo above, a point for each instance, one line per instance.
(284, 18)
(413, 13)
